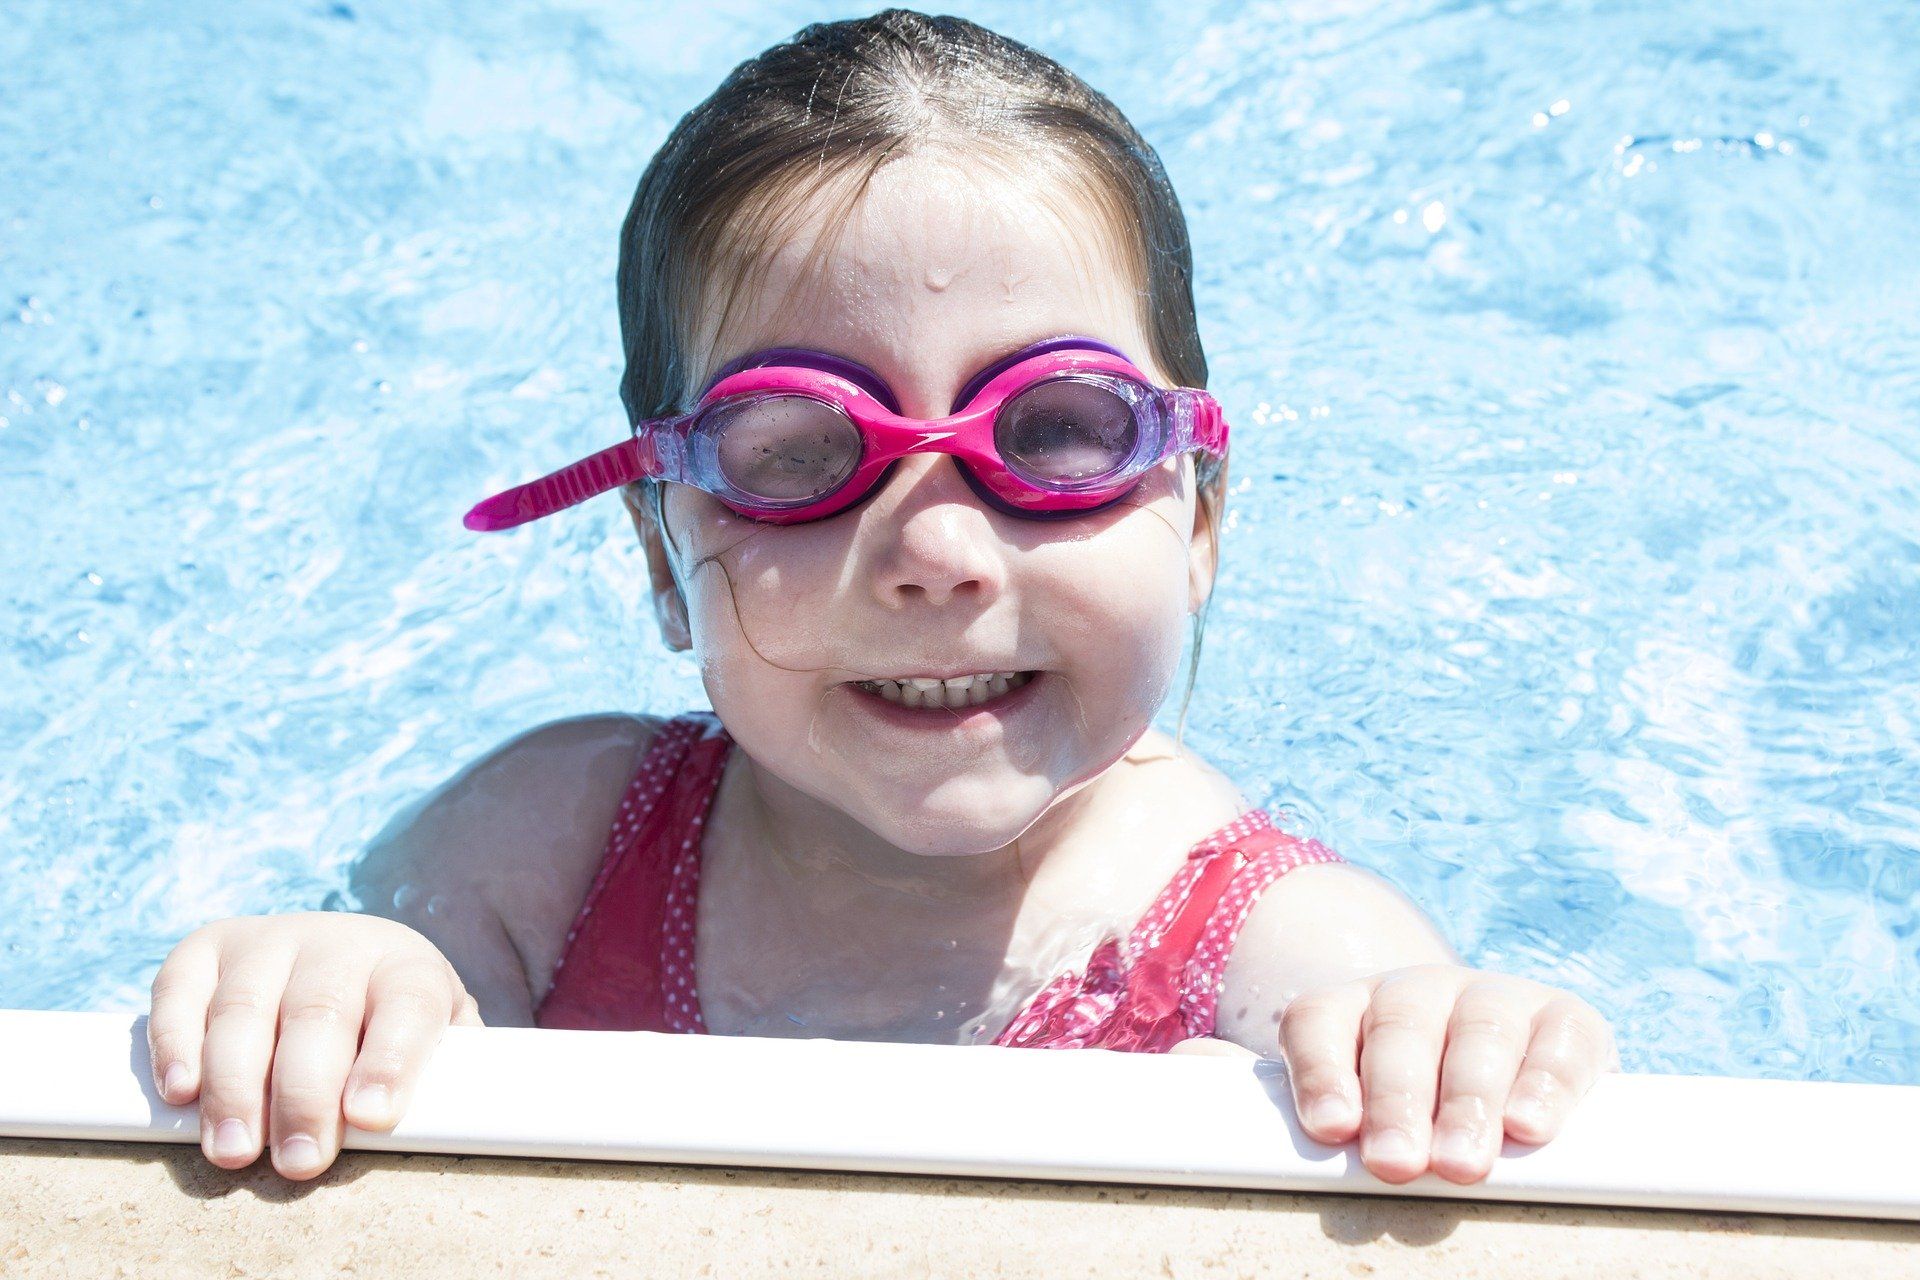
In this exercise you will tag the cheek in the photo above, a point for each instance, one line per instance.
(1121, 600)
(761, 597)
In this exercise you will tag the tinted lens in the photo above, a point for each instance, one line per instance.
(1066, 432)
(785, 450)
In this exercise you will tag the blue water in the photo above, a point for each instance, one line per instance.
(1573, 350)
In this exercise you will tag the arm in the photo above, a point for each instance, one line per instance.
(492, 865)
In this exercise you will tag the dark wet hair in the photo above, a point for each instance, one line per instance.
(818, 115)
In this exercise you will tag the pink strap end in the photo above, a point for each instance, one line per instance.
(502, 511)
(608, 469)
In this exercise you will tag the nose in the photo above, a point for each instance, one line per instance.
(937, 541)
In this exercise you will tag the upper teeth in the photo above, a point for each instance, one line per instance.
(926, 691)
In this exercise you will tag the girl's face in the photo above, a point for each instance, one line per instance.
(937, 273)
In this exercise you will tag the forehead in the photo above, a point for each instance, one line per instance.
(935, 270)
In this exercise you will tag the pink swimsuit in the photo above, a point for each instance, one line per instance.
(628, 963)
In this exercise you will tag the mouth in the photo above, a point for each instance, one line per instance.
(953, 693)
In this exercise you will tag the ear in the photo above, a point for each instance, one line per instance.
(669, 606)
(1203, 548)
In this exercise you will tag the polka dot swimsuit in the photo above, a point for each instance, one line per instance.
(628, 962)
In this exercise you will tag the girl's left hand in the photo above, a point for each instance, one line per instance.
(1517, 1055)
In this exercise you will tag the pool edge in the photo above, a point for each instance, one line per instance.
(1712, 1145)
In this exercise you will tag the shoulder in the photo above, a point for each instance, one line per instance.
(1158, 805)
(1175, 795)
(514, 792)
(520, 829)
(1319, 924)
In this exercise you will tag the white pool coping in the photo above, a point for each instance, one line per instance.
(1712, 1143)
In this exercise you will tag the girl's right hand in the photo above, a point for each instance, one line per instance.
(290, 994)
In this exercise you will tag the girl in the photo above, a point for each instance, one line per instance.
(926, 482)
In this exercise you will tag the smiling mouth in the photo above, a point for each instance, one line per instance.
(955, 694)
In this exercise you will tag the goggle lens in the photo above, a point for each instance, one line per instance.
(1066, 433)
(784, 450)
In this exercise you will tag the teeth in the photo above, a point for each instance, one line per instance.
(961, 691)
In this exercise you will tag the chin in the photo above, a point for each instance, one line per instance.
(950, 832)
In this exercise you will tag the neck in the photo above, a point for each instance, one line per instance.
(825, 863)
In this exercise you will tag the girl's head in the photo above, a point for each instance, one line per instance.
(924, 197)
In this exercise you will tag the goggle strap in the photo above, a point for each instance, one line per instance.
(1199, 421)
(630, 460)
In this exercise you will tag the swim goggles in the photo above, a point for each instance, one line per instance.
(1061, 428)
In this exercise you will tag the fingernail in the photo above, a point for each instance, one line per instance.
(299, 1152)
(1456, 1146)
(372, 1100)
(1328, 1111)
(1392, 1144)
(178, 1078)
(230, 1139)
(1529, 1111)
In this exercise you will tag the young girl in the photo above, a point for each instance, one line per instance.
(926, 482)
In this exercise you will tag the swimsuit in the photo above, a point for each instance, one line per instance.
(628, 962)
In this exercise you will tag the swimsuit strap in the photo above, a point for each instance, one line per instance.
(705, 766)
(1181, 947)
(1266, 858)
(611, 970)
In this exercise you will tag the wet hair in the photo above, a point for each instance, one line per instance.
(817, 116)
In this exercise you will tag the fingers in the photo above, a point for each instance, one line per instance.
(269, 1020)
(177, 1022)
(1320, 1040)
(1401, 1036)
(411, 1000)
(1571, 1043)
(238, 1051)
(1512, 1058)
(1485, 1040)
(320, 1019)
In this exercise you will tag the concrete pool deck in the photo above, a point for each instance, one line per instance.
(100, 1209)
(532, 1152)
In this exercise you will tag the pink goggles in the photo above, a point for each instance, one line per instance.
(1060, 428)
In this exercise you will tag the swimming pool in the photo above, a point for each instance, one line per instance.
(1574, 548)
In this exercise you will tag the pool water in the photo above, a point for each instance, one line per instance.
(1573, 573)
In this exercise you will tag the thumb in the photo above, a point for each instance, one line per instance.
(468, 1012)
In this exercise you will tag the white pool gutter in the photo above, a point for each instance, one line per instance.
(1653, 1141)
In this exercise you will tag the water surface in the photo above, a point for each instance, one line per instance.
(1572, 351)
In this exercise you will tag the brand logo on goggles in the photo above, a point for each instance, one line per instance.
(928, 437)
